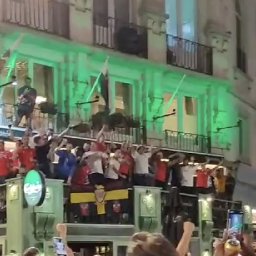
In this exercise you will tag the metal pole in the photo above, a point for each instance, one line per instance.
(175, 93)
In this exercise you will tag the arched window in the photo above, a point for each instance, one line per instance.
(241, 56)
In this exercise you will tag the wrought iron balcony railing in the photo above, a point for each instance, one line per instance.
(118, 35)
(50, 16)
(173, 140)
(53, 16)
(189, 55)
(187, 142)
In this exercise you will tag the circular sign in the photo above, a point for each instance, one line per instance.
(34, 188)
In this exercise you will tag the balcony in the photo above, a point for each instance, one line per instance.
(75, 213)
(122, 215)
(187, 142)
(189, 55)
(170, 140)
(49, 16)
(121, 36)
(54, 17)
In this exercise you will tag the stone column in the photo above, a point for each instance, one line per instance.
(81, 21)
(157, 44)
(218, 31)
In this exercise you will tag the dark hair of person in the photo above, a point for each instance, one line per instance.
(37, 139)
(147, 244)
(32, 251)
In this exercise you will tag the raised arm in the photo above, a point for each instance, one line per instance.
(180, 158)
(183, 246)
(101, 132)
(216, 167)
(63, 133)
(61, 145)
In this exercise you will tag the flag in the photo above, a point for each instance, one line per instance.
(8, 57)
(7, 54)
(103, 84)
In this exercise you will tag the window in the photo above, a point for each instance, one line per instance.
(245, 139)
(8, 97)
(181, 30)
(20, 70)
(100, 105)
(118, 9)
(100, 12)
(122, 8)
(43, 82)
(241, 55)
(123, 98)
(170, 122)
(189, 106)
(182, 18)
(190, 118)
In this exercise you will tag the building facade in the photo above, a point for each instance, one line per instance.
(188, 96)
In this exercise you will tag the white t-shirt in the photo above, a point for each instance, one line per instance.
(94, 161)
(141, 163)
(110, 173)
(188, 173)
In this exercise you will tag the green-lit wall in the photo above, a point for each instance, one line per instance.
(74, 66)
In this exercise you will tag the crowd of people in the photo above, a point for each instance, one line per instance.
(153, 244)
(99, 163)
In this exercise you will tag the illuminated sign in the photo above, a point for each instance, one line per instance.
(34, 188)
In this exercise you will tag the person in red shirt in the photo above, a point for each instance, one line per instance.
(81, 174)
(100, 140)
(204, 182)
(161, 169)
(127, 162)
(27, 156)
(15, 157)
(5, 162)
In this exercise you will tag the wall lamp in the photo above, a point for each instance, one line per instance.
(12, 82)
(162, 116)
(96, 99)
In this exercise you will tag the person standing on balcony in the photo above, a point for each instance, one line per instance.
(5, 162)
(15, 157)
(27, 156)
(175, 175)
(230, 183)
(127, 162)
(220, 183)
(204, 176)
(188, 171)
(26, 103)
(161, 171)
(67, 161)
(81, 174)
(94, 159)
(112, 173)
(42, 144)
(141, 169)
